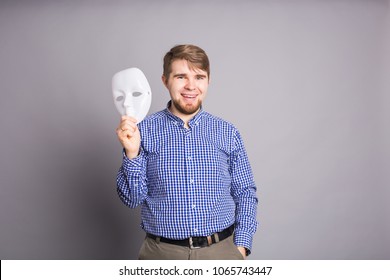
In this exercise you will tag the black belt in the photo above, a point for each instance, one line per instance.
(196, 241)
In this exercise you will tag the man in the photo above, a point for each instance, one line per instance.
(188, 170)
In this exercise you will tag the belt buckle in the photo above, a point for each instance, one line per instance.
(192, 244)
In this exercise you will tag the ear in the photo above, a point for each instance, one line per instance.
(165, 81)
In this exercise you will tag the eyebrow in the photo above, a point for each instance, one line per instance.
(179, 74)
(183, 74)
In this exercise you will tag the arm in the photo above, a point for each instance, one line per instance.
(244, 194)
(131, 178)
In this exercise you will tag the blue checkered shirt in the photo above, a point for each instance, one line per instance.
(190, 182)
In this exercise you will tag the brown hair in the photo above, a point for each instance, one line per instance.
(195, 56)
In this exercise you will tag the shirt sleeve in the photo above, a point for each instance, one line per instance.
(131, 180)
(244, 194)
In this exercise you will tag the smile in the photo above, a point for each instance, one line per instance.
(190, 96)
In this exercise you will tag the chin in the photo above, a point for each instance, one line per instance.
(189, 110)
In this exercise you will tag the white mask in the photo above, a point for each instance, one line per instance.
(132, 93)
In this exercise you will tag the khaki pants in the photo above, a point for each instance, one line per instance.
(224, 250)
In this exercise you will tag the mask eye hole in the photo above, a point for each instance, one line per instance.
(136, 94)
(119, 98)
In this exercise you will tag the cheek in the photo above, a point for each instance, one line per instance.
(177, 87)
(203, 88)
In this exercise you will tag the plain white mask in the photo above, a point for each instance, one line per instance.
(132, 93)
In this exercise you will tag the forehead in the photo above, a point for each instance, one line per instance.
(185, 67)
(128, 78)
(131, 79)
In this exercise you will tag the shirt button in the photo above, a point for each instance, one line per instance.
(190, 157)
(192, 181)
(195, 230)
(193, 206)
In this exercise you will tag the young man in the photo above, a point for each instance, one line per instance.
(188, 170)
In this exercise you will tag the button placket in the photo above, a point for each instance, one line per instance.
(190, 179)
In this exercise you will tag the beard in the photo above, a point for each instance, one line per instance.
(187, 109)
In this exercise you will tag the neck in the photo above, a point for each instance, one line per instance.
(183, 116)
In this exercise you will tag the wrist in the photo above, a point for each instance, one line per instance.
(247, 251)
(131, 154)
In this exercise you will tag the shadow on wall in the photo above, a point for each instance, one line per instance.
(102, 226)
(77, 213)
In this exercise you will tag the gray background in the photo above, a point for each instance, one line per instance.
(306, 83)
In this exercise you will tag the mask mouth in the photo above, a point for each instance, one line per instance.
(130, 111)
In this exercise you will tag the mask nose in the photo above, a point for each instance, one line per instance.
(127, 101)
(129, 104)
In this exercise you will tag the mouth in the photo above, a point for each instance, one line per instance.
(189, 97)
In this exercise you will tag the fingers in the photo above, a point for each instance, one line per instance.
(127, 123)
(129, 136)
(126, 132)
(128, 126)
(129, 118)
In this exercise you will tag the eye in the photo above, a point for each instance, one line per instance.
(119, 98)
(136, 94)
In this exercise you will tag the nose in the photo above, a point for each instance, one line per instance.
(190, 85)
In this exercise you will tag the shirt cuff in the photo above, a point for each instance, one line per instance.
(135, 164)
(243, 239)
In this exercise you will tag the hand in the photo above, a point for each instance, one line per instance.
(242, 251)
(129, 136)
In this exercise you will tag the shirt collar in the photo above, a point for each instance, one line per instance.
(193, 122)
